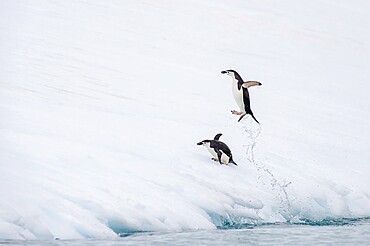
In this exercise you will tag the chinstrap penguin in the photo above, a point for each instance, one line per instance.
(241, 94)
(219, 150)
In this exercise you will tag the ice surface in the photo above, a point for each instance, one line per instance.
(102, 104)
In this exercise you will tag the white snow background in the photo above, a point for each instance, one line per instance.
(102, 104)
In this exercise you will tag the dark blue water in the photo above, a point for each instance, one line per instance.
(327, 232)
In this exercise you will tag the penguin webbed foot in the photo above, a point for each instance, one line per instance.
(217, 160)
(236, 112)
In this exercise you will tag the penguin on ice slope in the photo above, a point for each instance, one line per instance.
(218, 150)
(241, 94)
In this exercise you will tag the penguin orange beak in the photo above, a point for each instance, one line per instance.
(223, 72)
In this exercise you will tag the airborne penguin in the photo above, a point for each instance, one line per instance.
(241, 94)
(218, 150)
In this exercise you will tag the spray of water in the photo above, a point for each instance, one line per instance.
(279, 187)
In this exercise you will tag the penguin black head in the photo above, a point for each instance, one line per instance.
(229, 72)
(233, 74)
(204, 142)
(216, 138)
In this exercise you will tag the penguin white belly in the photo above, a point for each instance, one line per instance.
(238, 96)
(224, 158)
(211, 151)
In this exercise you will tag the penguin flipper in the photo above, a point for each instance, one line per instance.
(217, 137)
(219, 154)
(248, 84)
(241, 117)
(251, 114)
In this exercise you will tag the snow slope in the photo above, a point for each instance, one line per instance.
(102, 104)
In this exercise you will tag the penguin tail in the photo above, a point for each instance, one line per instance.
(251, 114)
(232, 161)
(254, 117)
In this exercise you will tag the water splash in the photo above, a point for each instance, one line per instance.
(253, 135)
(302, 222)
